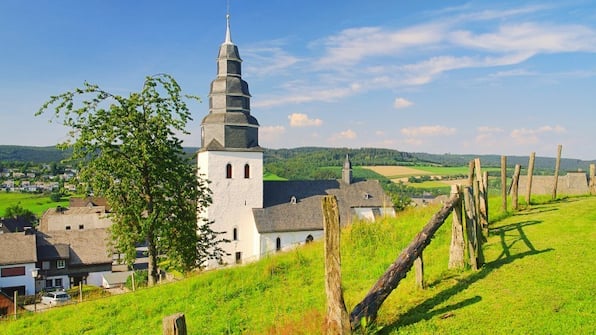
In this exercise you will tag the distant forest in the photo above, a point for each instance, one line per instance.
(310, 162)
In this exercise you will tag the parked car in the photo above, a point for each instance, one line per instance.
(55, 298)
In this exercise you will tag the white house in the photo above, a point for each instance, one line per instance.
(261, 217)
(18, 256)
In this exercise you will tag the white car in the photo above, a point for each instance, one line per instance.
(55, 298)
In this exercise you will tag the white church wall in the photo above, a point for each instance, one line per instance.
(288, 240)
(234, 198)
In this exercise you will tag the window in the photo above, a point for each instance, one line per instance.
(246, 171)
(58, 282)
(278, 244)
(81, 227)
(67, 227)
(45, 265)
(229, 171)
(3, 311)
(60, 264)
(238, 257)
(235, 234)
(293, 200)
(13, 272)
(49, 283)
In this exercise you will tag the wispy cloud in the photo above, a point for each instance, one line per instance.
(348, 134)
(302, 120)
(271, 133)
(424, 131)
(532, 136)
(400, 103)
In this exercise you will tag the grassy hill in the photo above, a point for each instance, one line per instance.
(540, 278)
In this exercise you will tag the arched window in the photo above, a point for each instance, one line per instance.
(229, 171)
(235, 234)
(246, 171)
(278, 244)
(309, 238)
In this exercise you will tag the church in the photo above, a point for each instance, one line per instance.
(260, 217)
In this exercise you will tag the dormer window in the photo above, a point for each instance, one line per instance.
(229, 171)
(367, 195)
(293, 200)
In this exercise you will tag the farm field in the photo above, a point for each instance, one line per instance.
(537, 280)
(36, 203)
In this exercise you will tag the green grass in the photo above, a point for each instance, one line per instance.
(451, 170)
(268, 176)
(36, 203)
(539, 279)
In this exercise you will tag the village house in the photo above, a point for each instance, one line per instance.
(18, 258)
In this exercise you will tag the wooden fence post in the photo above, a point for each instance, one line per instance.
(337, 320)
(471, 172)
(419, 269)
(470, 210)
(484, 201)
(481, 197)
(15, 303)
(81, 292)
(457, 249)
(174, 325)
(504, 183)
(530, 174)
(557, 166)
(515, 187)
(592, 179)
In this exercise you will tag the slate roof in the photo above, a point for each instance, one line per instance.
(88, 201)
(12, 225)
(280, 214)
(85, 246)
(17, 248)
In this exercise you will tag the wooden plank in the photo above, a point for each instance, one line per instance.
(419, 269)
(369, 306)
(337, 320)
(470, 210)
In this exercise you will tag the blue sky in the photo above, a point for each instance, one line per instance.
(482, 77)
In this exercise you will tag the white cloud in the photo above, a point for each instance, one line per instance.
(402, 103)
(269, 58)
(348, 134)
(428, 131)
(302, 120)
(307, 94)
(488, 129)
(271, 133)
(532, 136)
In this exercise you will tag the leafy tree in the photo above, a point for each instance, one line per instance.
(128, 152)
(16, 211)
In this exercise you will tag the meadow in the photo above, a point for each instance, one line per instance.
(539, 278)
(36, 203)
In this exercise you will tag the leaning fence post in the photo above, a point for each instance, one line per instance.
(337, 320)
(592, 179)
(174, 325)
(515, 187)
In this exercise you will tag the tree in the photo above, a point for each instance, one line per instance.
(128, 152)
(17, 211)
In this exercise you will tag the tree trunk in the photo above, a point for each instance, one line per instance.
(337, 320)
(515, 187)
(557, 166)
(152, 276)
(457, 248)
(369, 306)
(530, 175)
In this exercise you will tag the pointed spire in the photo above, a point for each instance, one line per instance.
(228, 35)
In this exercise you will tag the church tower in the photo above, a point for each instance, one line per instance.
(230, 156)
(346, 171)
